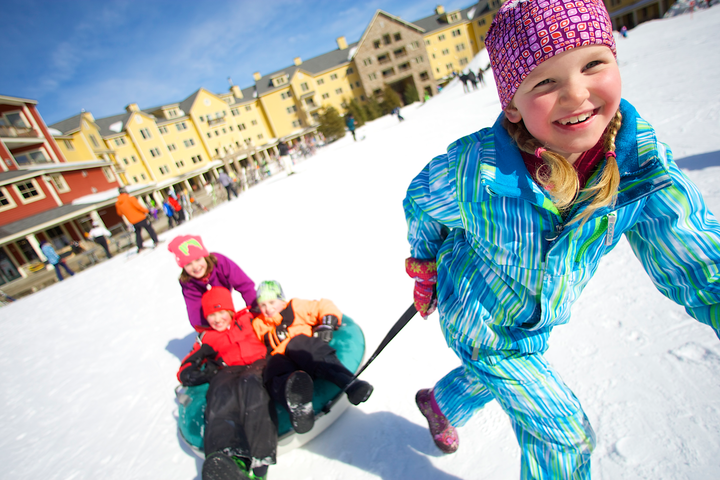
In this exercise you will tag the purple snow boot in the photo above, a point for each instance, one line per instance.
(444, 434)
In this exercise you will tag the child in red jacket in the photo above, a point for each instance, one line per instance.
(296, 334)
(240, 425)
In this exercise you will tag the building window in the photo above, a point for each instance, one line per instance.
(260, 136)
(189, 142)
(155, 152)
(94, 141)
(325, 95)
(388, 73)
(456, 32)
(119, 141)
(333, 76)
(399, 53)
(202, 118)
(109, 175)
(445, 51)
(384, 58)
(386, 39)
(454, 17)
(367, 61)
(481, 22)
(217, 133)
(30, 158)
(6, 201)
(338, 91)
(376, 44)
(304, 87)
(209, 134)
(248, 108)
(179, 164)
(463, 61)
(377, 91)
(320, 81)
(419, 59)
(449, 66)
(349, 71)
(172, 113)
(196, 159)
(372, 76)
(291, 109)
(424, 76)
(135, 180)
(142, 175)
(59, 182)
(69, 145)
(241, 126)
(441, 37)
(125, 161)
(287, 94)
(145, 133)
(181, 126)
(414, 45)
(164, 170)
(357, 84)
(404, 66)
(427, 42)
(297, 123)
(133, 158)
(460, 47)
(171, 147)
(235, 112)
(29, 191)
(397, 37)
(253, 122)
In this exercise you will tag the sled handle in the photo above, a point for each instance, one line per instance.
(404, 319)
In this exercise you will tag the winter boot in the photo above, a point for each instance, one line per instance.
(298, 399)
(359, 391)
(219, 466)
(444, 434)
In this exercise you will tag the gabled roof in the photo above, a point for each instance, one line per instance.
(436, 22)
(313, 66)
(187, 104)
(117, 122)
(68, 125)
(418, 28)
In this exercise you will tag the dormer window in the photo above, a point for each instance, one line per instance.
(281, 80)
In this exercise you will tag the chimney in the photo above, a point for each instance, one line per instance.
(133, 107)
(298, 61)
(439, 10)
(257, 76)
(237, 93)
(342, 43)
(88, 116)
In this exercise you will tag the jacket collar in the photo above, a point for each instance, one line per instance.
(641, 166)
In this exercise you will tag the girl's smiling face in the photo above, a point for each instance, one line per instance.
(567, 101)
(196, 268)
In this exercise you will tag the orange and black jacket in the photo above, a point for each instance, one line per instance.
(238, 345)
(297, 318)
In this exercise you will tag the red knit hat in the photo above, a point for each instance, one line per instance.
(217, 299)
(187, 248)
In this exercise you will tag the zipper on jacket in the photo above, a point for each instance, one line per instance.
(607, 228)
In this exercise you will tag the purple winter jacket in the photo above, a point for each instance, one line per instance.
(225, 274)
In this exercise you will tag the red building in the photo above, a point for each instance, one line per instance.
(42, 195)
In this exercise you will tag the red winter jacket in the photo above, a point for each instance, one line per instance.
(238, 345)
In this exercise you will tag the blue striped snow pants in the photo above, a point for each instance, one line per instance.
(554, 434)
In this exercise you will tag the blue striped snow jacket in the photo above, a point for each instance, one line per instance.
(510, 268)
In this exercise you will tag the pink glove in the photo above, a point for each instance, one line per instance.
(424, 272)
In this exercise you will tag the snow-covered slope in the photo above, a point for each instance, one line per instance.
(87, 367)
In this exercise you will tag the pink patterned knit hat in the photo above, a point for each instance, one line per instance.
(525, 33)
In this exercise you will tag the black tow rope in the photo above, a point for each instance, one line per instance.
(404, 319)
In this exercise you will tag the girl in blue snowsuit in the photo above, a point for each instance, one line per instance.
(509, 225)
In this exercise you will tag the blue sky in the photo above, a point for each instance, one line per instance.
(101, 55)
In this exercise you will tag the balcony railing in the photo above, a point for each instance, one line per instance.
(216, 121)
(10, 131)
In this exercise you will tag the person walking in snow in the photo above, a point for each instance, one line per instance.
(240, 438)
(396, 111)
(170, 213)
(228, 183)
(55, 260)
(509, 226)
(284, 157)
(350, 122)
(130, 208)
(465, 79)
(201, 270)
(481, 77)
(296, 334)
(99, 234)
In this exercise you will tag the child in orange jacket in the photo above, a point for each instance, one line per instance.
(296, 334)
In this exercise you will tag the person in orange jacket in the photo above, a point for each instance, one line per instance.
(130, 208)
(296, 334)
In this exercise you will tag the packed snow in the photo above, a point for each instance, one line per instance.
(88, 365)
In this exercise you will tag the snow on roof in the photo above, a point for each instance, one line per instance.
(116, 127)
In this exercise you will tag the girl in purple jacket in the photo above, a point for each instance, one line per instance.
(202, 270)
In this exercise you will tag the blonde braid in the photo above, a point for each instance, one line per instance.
(559, 177)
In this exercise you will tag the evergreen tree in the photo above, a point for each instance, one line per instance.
(332, 125)
(358, 112)
(410, 94)
(372, 109)
(390, 100)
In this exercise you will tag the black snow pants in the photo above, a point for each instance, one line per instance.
(240, 418)
(309, 354)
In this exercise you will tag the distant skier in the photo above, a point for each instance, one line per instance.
(99, 234)
(465, 79)
(396, 111)
(350, 122)
(136, 214)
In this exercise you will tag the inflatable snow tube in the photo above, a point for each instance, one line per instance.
(348, 341)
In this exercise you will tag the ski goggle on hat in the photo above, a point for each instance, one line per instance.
(525, 33)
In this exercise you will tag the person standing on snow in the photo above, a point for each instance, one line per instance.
(350, 122)
(566, 170)
(201, 270)
(55, 260)
(130, 208)
(228, 183)
(99, 234)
